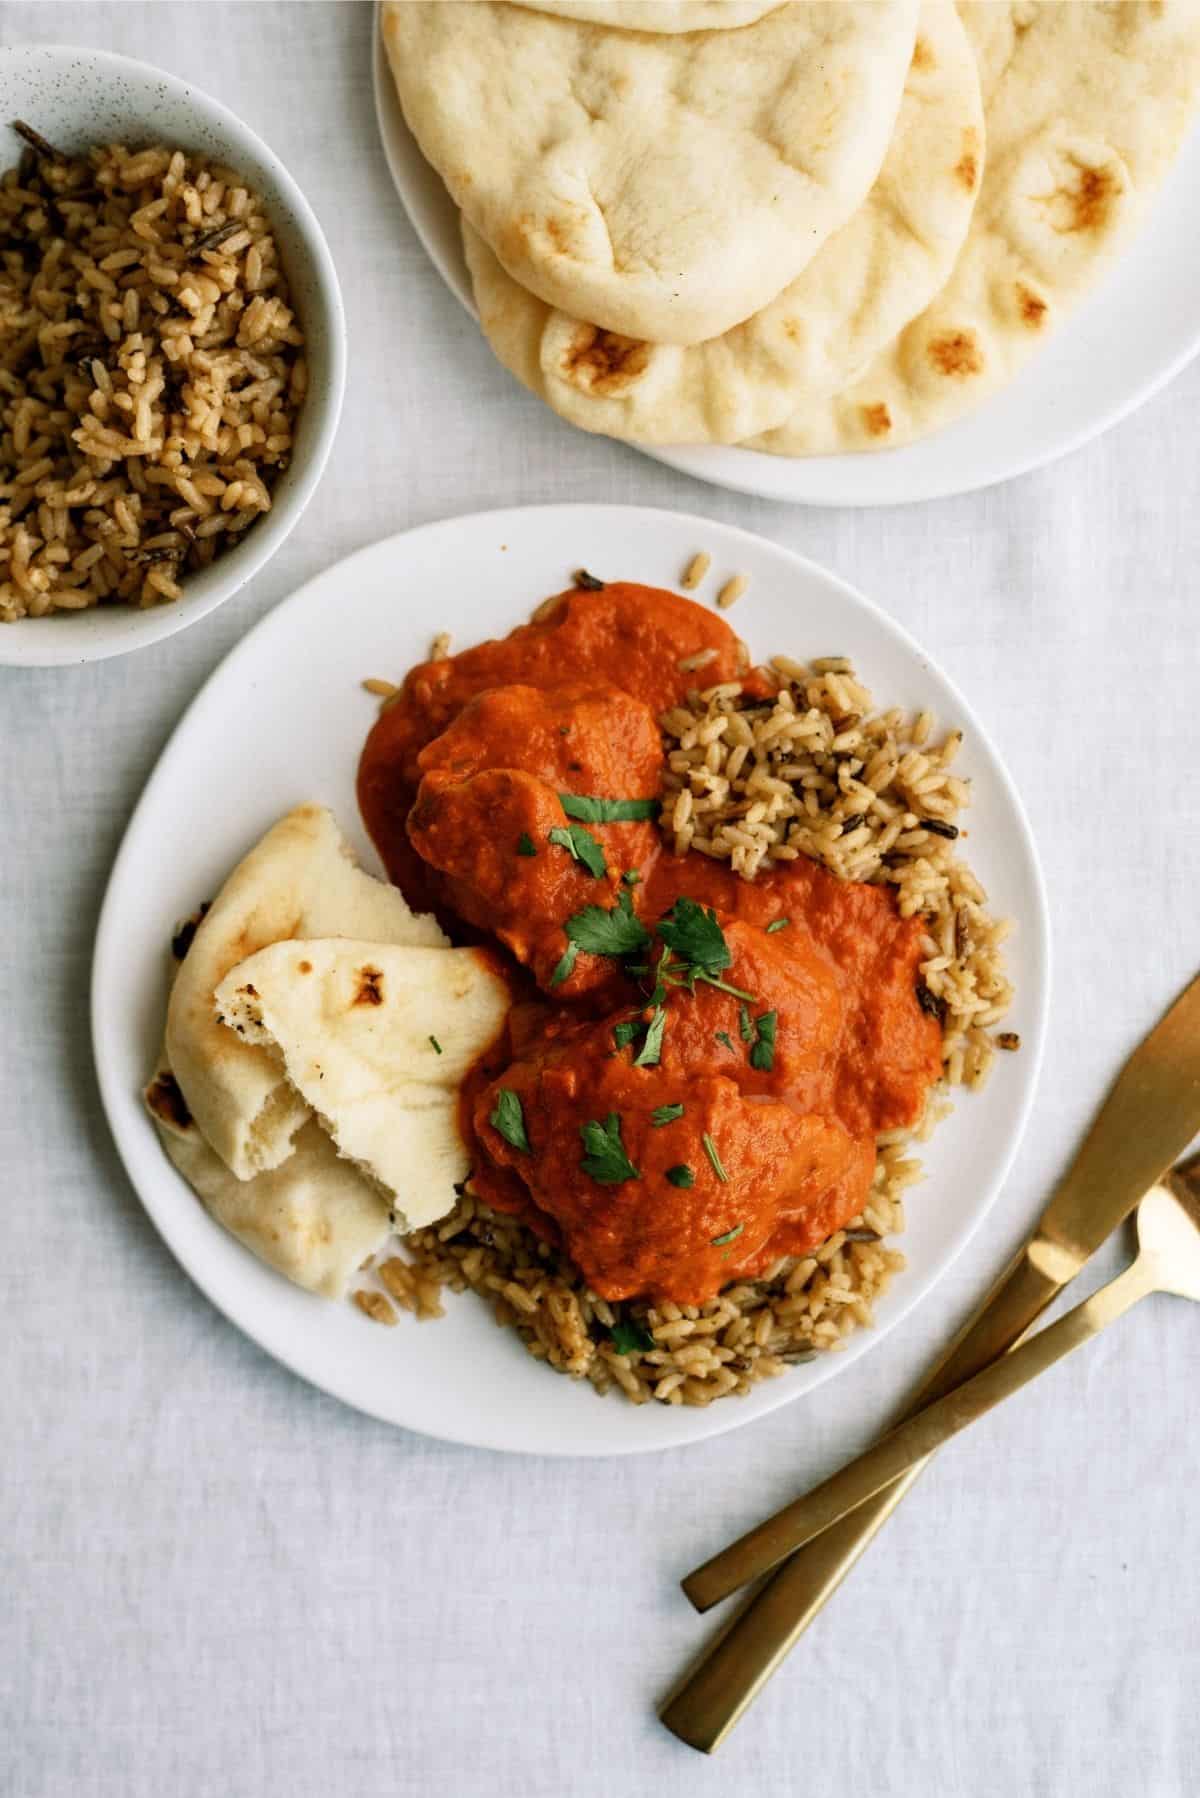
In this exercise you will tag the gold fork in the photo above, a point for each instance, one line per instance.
(1168, 1260)
(1149, 1116)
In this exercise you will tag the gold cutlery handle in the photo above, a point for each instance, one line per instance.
(1148, 1118)
(911, 1443)
(730, 1676)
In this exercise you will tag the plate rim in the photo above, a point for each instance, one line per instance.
(390, 119)
(1035, 928)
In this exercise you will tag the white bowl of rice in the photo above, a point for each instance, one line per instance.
(172, 354)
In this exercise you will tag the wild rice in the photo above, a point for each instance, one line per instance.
(375, 1306)
(688, 1354)
(813, 771)
(151, 372)
(816, 771)
(732, 591)
(696, 570)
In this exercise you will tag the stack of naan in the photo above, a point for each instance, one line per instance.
(317, 1034)
(808, 226)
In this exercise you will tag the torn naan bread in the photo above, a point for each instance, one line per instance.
(377, 1040)
(1086, 105)
(314, 1218)
(299, 880)
(874, 274)
(663, 186)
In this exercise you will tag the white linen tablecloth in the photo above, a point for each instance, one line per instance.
(215, 1580)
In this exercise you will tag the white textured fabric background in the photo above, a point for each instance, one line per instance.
(214, 1580)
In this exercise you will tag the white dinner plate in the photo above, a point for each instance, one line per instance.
(1135, 332)
(282, 721)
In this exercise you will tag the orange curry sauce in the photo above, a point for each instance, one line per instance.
(744, 1120)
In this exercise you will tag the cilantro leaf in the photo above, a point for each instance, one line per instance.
(650, 1053)
(665, 1114)
(719, 1242)
(617, 932)
(745, 1027)
(777, 924)
(631, 877)
(710, 1149)
(525, 844)
(581, 846)
(508, 1120)
(681, 1175)
(723, 1036)
(606, 811)
(696, 937)
(565, 964)
(628, 1337)
(604, 1158)
(436, 1044)
(762, 1055)
(624, 1033)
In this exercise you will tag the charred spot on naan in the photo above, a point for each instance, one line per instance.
(183, 938)
(922, 56)
(1031, 306)
(956, 354)
(1092, 200)
(370, 987)
(603, 362)
(877, 420)
(1090, 183)
(966, 169)
(166, 1101)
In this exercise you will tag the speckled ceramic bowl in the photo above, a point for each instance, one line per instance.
(79, 97)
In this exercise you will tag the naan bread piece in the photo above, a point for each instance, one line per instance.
(377, 1040)
(873, 275)
(1085, 107)
(659, 15)
(300, 880)
(663, 186)
(314, 1219)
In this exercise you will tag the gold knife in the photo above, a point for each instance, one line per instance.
(1149, 1118)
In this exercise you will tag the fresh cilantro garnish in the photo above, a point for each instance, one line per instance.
(696, 937)
(525, 844)
(628, 1337)
(606, 811)
(565, 965)
(631, 877)
(762, 1054)
(617, 932)
(650, 1053)
(665, 1114)
(508, 1119)
(745, 1027)
(723, 1036)
(777, 924)
(710, 1149)
(624, 1033)
(604, 1158)
(436, 1044)
(581, 846)
(681, 1175)
(719, 1242)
